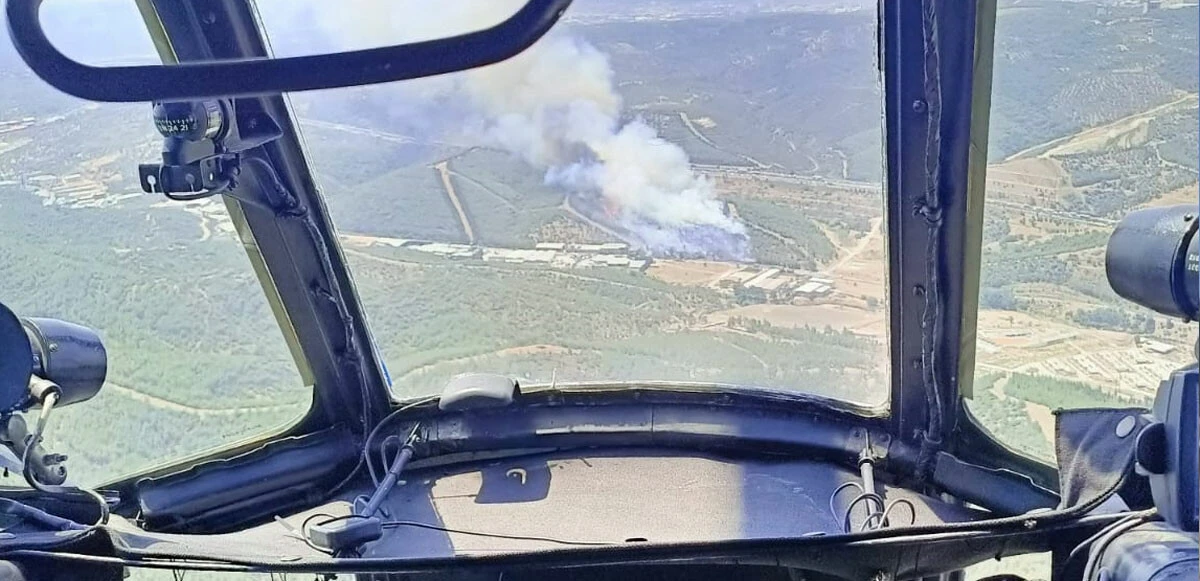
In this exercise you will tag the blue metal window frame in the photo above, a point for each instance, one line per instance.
(936, 56)
(927, 52)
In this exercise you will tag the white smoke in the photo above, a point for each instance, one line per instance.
(555, 106)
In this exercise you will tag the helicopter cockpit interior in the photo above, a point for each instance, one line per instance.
(630, 334)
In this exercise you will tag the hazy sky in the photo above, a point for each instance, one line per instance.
(98, 31)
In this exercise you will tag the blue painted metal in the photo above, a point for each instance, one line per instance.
(16, 361)
(72, 356)
(927, 51)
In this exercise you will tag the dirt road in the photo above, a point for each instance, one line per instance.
(444, 170)
(173, 406)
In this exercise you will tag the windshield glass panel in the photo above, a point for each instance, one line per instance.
(652, 192)
(196, 359)
(1094, 114)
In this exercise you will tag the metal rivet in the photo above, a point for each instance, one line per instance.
(918, 290)
(1125, 426)
(916, 363)
(919, 106)
(53, 347)
(1188, 217)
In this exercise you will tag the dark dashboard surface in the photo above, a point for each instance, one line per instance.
(576, 500)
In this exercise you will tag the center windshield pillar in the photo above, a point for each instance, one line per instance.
(927, 50)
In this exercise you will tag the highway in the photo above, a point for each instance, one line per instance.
(814, 181)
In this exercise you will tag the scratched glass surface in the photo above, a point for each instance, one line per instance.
(1094, 115)
(196, 358)
(682, 190)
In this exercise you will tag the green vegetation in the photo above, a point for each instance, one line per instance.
(1057, 393)
(781, 233)
(405, 203)
(458, 309)
(505, 205)
(811, 366)
(1001, 298)
(186, 326)
(1007, 419)
(784, 89)
(1052, 246)
(1114, 319)
(1175, 137)
(995, 228)
(1118, 179)
(672, 128)
(343, 160)
(193, 348)
(1065, 66)
(540, 323)
(1049, 260)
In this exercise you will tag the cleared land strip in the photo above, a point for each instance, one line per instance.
(174, 406)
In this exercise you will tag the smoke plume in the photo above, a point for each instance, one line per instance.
(555, 106)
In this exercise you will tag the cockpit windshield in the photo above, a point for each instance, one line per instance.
(1119, 134)
(674, 191)
(621, 202)
(198, 359)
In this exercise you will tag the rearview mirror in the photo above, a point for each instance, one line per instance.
(237, 78)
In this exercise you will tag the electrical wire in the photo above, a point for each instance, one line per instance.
(303, 534)
(364, 458)
(383, 458)
(330, 519)
(421, 525)
(1102, 543)
(1145, 514)
(880, 538)
(882, 520)
(876, 519)
(379, 427)
(912, 509)
(833, 497)
(27, 464)
(30, 513)
(1104, 537)
(221, 565)
(866, 496)
(284, 203)
(192, 197)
